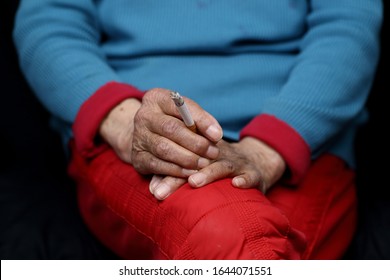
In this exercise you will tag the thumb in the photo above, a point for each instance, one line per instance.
(206, 124)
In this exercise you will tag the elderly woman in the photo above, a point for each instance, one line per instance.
(276, 90)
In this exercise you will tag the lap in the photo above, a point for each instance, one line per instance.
(214, 222)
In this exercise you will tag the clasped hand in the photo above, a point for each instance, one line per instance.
(151, 136)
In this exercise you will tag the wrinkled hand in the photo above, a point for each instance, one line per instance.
(162, 144)
(152, 137)
(250, 163)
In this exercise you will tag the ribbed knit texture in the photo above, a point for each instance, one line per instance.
(237, 59)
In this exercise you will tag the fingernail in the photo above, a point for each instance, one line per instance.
(212, 152)
(197, 180)
(154, 182)
(162, 191)
(203, 162)
(238, 182)
(214, 132)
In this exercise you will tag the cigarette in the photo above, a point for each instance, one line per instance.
(183, 110)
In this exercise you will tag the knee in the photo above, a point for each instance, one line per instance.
(218, 234)
(223, 222)
(244, 230)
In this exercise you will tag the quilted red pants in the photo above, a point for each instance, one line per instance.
(315, 220)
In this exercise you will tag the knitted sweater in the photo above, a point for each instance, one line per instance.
(293, 73)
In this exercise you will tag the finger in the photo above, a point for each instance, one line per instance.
(175, 130)
(167, 186)
(160, 101)
(156, 179)
(206, 124)
(169, 151)
(250, 179)
(146, 163)
(215, 171)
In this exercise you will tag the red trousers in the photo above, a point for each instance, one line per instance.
(315, 220)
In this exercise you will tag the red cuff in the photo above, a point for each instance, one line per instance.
(94, 110)
(284, 139)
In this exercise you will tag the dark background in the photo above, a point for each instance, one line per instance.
(38, 211)
(372, 149)
(39, 218)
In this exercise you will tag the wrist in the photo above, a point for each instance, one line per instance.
(269, 159)
(88, 121)
(285, 140)
(119, 119)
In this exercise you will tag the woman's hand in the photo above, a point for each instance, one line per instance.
(250, 162)
(152, 137)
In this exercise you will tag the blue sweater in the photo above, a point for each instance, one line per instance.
(309, 64)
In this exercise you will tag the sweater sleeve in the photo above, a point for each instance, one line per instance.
(93, 111)
(327, 86)
(58, 43)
